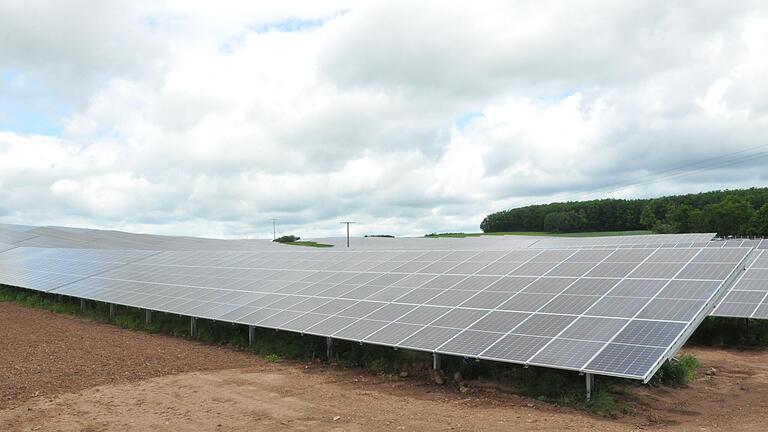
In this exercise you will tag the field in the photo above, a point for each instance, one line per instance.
(308, 244)
(62, 372)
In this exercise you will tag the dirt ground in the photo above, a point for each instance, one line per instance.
(66, 374)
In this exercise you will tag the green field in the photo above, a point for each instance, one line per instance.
(308, 244)
(542, 233)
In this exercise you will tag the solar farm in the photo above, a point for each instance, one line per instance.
(616, 307)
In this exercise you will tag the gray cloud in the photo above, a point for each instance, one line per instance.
(204, 120)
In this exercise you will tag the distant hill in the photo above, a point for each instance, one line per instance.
(739, 212)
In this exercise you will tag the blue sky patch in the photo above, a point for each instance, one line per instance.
(24, 121)
(285, 26)
(463, 120)
(290, 26)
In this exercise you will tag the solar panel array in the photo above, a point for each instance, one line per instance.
(495, 242)
(735, 243)
(606, 305)
(11, 237)
(748, 297)
(5, 247)
(638, 241)
(44, 269)
(610, 311)
(61, 237)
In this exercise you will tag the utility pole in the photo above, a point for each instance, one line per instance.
(348, 223)
(274, 230)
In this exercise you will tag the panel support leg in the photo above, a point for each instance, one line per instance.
(746, 328)
(82, 306)
(192, 326)
(111, 311)
(251, 335)
(329, 348)
(147, 316)
(436, 361)
(590, 379)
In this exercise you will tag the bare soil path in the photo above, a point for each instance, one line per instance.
(66, 374)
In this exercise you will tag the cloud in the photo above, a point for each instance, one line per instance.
(200, 119)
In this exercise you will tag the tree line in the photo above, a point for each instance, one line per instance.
(740, 212)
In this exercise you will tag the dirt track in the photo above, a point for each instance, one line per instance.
(63, 373)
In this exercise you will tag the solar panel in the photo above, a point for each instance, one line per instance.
(653, 240)
(4, 247)
(11, 237)
(583, 309)
(568, 353)
(748, 296)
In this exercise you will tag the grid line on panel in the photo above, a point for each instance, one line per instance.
(605, 294)
(594, 357)
(564, 353)
(480, 291)
(765, 297)
(572, 322)
(531, 315)
(449, 309)
(120, 265)
(393, 322)
(736, 286)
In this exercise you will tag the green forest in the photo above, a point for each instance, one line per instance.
(740, 212)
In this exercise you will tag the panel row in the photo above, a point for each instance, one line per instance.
(748, 296)
(551, 340)
(607, 311)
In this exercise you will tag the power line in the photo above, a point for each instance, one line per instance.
(274, 229)
(348, 224)
(723, 160)
(692, 172)
(715, 158)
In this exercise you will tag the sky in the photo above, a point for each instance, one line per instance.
(211, 118)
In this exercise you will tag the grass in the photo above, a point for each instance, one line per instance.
(540, 233)
(560, 387)
(308, 244)
(677, 372)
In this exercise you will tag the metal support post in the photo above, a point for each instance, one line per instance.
(82, 306)
(329, 348)
(251, 335)
(147, 316)
(192, 326)
(436, 361)
(111, 311)
(590, 385)
(746, 328)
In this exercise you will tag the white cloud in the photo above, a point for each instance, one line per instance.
(209, 119)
